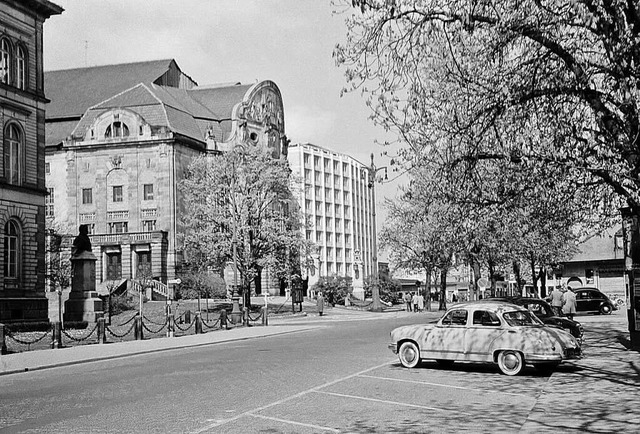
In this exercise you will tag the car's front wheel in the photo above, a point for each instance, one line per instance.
(409, 355)
(605, 309)
(510, 362)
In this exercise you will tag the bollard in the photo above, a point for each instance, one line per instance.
(56, 338)
(265, 320)
(171, 327)
(223, 319)
(198, 323)
(102, 330)
(137, 330)
(187, 317)
(3, 343)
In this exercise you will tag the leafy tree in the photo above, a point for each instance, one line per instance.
(58, 263)
(240, 201)
(334, 288)
(197, 283)
(388, 288)
(509, 101)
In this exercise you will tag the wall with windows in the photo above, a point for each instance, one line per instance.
(22, 184)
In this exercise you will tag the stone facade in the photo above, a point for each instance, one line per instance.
(117, 166)
(22, 183)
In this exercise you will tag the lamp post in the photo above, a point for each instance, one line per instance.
(375, 291)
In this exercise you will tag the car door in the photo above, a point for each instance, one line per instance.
(446, 340)
(582, 301)
(484, 329)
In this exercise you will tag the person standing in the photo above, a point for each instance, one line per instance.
(556, 298)
(414, 301)
(407, 300)
(569, 307)
(320, 303)
(420, 302)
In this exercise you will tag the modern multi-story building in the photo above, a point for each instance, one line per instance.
(119, 141)
(22, 180)
(336, 195)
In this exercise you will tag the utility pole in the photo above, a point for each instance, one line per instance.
(375, 291)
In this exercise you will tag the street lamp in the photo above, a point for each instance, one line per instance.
(375, 291)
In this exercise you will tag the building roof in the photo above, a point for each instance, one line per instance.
(73, 91)
(604, 246)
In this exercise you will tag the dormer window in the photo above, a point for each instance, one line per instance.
(116, 129)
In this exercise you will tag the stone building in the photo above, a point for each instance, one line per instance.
(22, 180)
(119, 141)
(339, 205)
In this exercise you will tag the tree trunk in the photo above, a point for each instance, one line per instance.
(534, 276)
(443, 289)
(516, 271)
(543, 282)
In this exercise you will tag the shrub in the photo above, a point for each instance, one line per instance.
(122, 303)
(335, 288)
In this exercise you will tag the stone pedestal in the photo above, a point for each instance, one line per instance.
(83, 303)
(358, 281)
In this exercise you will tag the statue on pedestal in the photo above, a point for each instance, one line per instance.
(81, 243)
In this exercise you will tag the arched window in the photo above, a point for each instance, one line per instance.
(5, 61)
(21, 68)
(12, 245)
(116, 129)
(13, 150)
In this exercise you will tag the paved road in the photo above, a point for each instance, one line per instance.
(337, 376)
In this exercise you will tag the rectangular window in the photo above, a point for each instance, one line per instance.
(87, 196)
(48, 203)
(148, 225)
(117, 193)
(148, 191)
(118, 227)
(47, 168)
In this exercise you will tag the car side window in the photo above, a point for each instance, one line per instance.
(455, 317)
(582, 295)
(485, 318)
(596, 295)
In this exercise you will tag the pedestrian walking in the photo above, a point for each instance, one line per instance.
(556, 298)
(569, 306)
(420, 302)
(407, 300)
(320, 303)
(414, 301)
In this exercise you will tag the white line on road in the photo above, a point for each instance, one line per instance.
(444, 385)
(291, 422)
(385, 401)
(281, 401)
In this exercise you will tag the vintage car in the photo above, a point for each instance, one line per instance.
(545, 312)
(491, 332)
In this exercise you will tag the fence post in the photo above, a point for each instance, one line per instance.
(265, 320)
(171, 326)
(56, 338)
(223, 319)
(138, 336)
(187, 317)
(102, 330)
(198, 323)
(3, 344)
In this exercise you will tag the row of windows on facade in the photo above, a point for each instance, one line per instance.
(345, 182)
(119, 227)
(328, 164)
(14, 60)
(116, 194)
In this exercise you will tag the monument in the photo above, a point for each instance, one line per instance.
(83, 303)
(358, 278)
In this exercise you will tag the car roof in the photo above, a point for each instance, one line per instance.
(495, 305)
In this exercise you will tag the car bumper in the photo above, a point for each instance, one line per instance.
(568, 354)
(393, 347)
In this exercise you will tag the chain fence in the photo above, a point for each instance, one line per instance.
(82, 338)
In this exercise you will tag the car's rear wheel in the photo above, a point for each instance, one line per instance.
(445, 363)
(510, 362)
(605, 309)
(409, 355)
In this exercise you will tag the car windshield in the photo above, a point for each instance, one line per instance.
(521, 318)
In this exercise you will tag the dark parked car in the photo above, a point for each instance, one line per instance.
(591, 300)
(547, 314)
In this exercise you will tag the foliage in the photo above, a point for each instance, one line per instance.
(122, 303)
(57, 256)
(242, 198)
(387, 288)
(196, 284)
(507, 101)
(335, 288)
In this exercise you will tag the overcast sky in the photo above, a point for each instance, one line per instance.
(287, 41)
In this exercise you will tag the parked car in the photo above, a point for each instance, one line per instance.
(491, 332)
(545, 312)
(591, 300)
